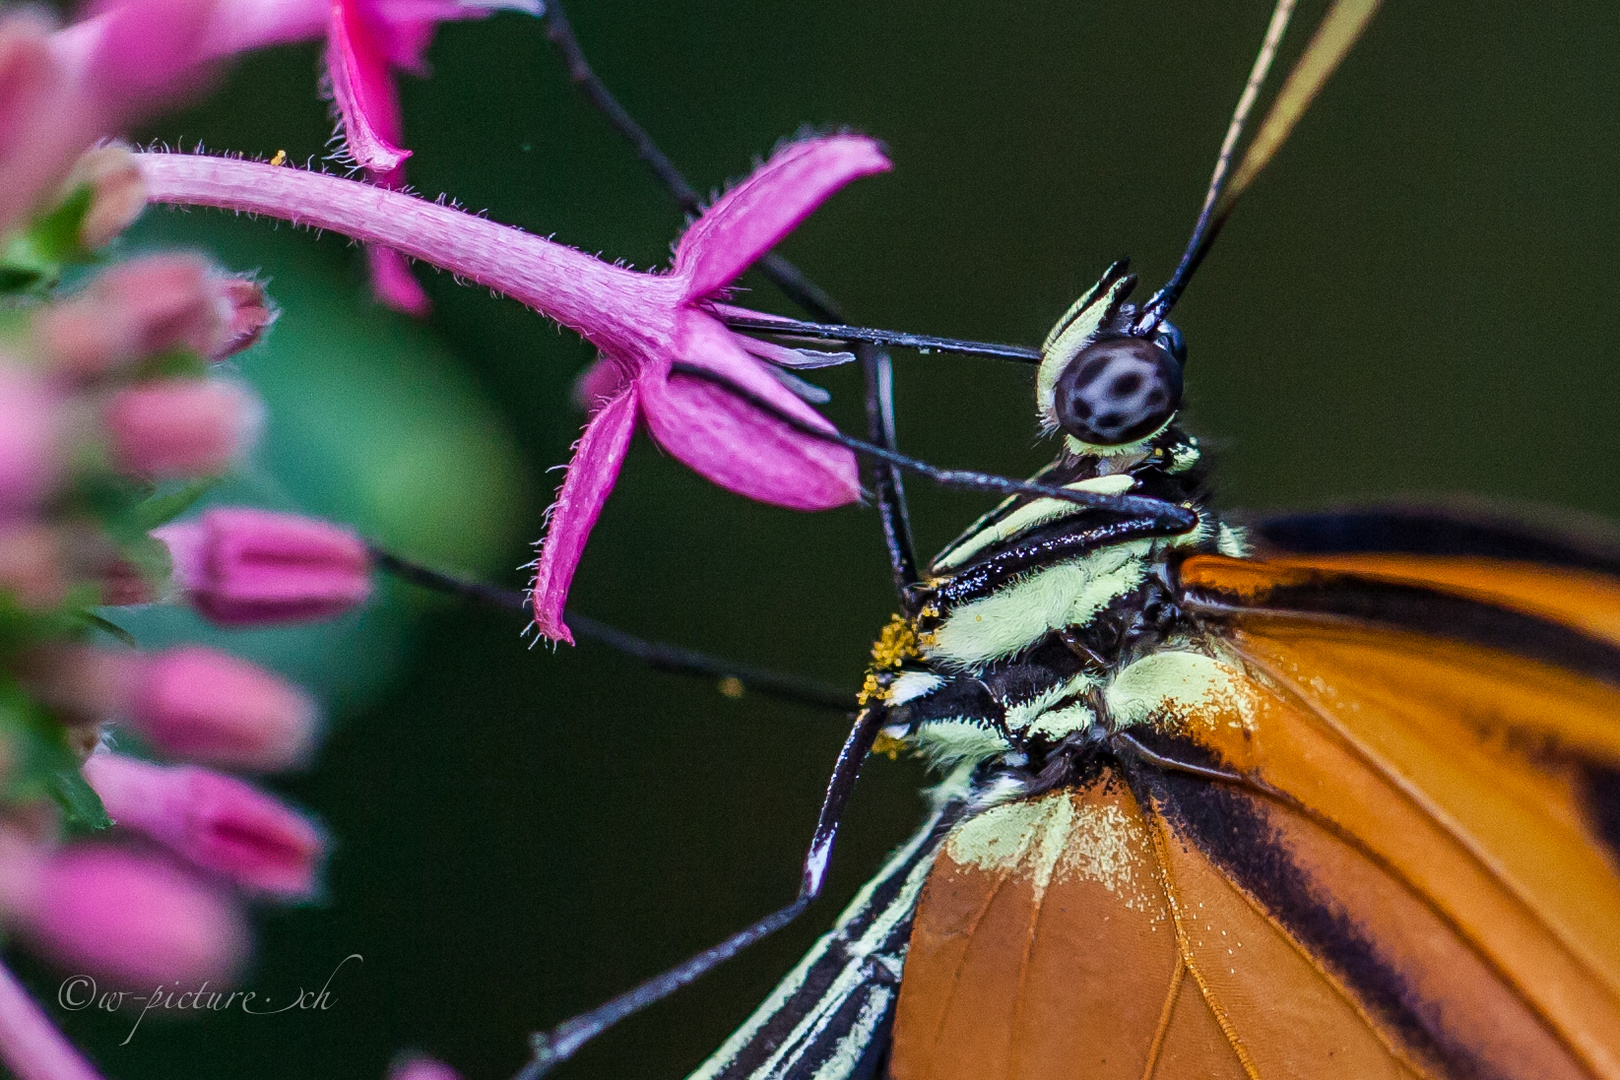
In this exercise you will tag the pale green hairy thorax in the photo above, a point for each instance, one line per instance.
(946, 743)
(1030, 515)
(1020, 614)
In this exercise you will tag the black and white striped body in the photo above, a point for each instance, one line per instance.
(1022, 654)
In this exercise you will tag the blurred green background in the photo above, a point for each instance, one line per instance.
(1418, 298)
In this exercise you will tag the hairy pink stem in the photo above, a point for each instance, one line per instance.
(29, 1043)
(619, 310)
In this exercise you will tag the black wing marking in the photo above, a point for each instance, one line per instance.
(1583, 545)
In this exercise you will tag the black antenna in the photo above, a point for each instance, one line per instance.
(1208, 226)
(1339, 29)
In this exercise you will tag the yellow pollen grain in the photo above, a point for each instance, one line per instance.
(279, 158)
(895, 645)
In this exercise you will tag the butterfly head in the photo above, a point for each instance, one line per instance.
(1108, 383)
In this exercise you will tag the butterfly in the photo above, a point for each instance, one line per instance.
(1323, 795)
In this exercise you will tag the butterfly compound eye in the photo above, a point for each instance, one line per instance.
(1117, 390)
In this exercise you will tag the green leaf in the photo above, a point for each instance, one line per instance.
(35, 256)
(107, 626)
(81, 806)
(162, 508)
(44, 763)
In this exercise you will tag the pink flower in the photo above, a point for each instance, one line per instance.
(208, 705)
(367, 41)
(239, 566)
(643, 323)
(125, 917)
(214, 822)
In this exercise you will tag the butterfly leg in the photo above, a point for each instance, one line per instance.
(561, 1042)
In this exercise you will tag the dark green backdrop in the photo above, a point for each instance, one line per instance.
(1418, 298)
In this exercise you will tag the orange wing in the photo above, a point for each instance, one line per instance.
(1410, 868)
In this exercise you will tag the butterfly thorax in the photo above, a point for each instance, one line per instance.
(1026, 620)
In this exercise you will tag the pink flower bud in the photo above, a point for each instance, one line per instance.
(210, 706)
(126, 918)
(180, 428)
(213, 821)
(29, 420)
(117, 194)
(251, 315)
(139, 309)
(240, 566)
(421, 1068)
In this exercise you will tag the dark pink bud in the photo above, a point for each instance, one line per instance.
(210, 706)
(241, 566)
(139, 309)
(180, 428)
(213, 821)
(129, 919)
(30, 416)
(250, 315)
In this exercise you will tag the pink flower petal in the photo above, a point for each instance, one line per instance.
(734, 444)
(30, 1045)
(364, 89)
(590, 477)
(753, 216)
(393, 284)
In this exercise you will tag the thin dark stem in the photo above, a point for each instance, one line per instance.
(781, 273)
(427, 578)
(734, 678)
(1174, 518)
(893, 338)
(553, 1047)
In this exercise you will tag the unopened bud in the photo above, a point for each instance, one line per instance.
(117, 193)
(132, 920)
(180, 428)
(136, 310)
(30, 418)
(416, 1067)
(250, 315)
(240, 566)
(214, 822)
(209, 706)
